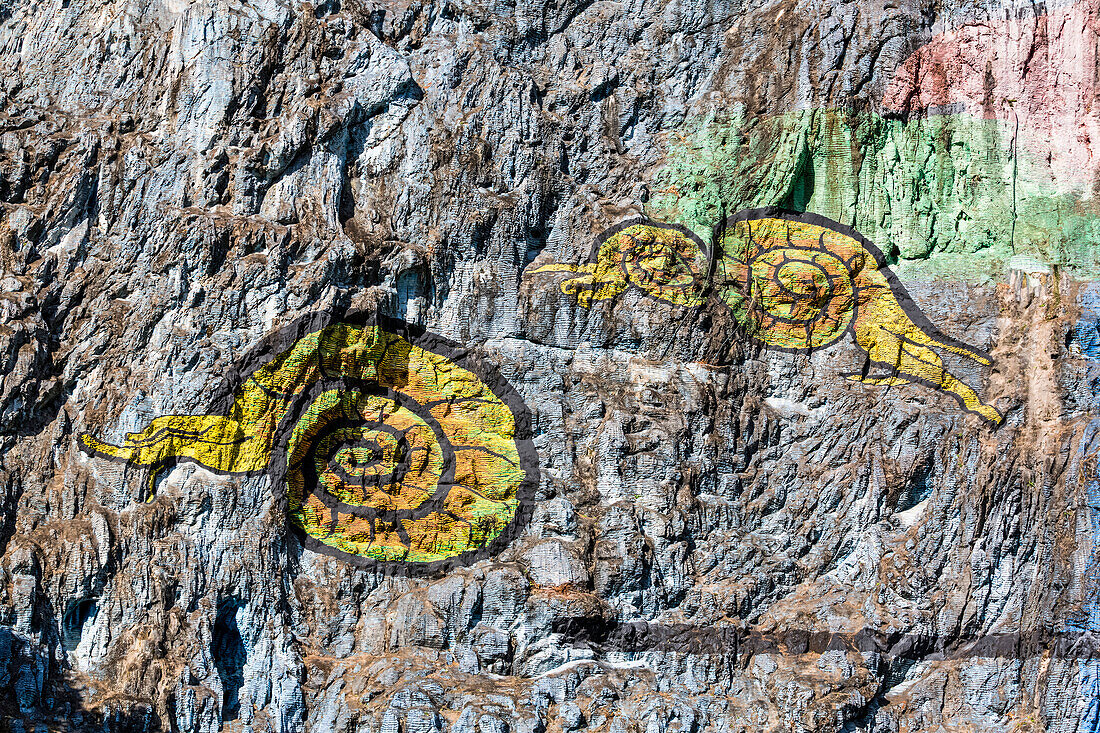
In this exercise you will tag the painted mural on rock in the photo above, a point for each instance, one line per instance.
(796, 282)
(981, 148)
(956, 72)
(394, 447)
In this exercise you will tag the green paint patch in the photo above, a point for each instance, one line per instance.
(946, 196)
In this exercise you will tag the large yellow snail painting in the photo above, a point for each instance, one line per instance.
(794, 281)
(394, 447)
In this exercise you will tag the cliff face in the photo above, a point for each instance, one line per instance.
(701, 471)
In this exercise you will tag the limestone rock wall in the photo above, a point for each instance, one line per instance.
(724, 536)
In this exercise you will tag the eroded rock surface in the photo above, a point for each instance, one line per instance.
(724, 537)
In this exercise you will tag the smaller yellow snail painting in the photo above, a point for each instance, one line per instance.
(393, 446)
(795, 282)
(663, 261)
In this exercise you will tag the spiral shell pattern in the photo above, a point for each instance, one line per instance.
(413, 460)
(793, 284)
(393, 446)
(663, 261)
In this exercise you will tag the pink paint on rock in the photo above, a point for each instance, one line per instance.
(1034, 74)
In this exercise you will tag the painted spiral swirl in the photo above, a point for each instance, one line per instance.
(794, 285)
(392, 445)
(663, 261)
(659, 260)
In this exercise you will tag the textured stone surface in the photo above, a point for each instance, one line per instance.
(716, 524)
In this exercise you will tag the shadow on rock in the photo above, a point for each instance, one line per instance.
(36, 694)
